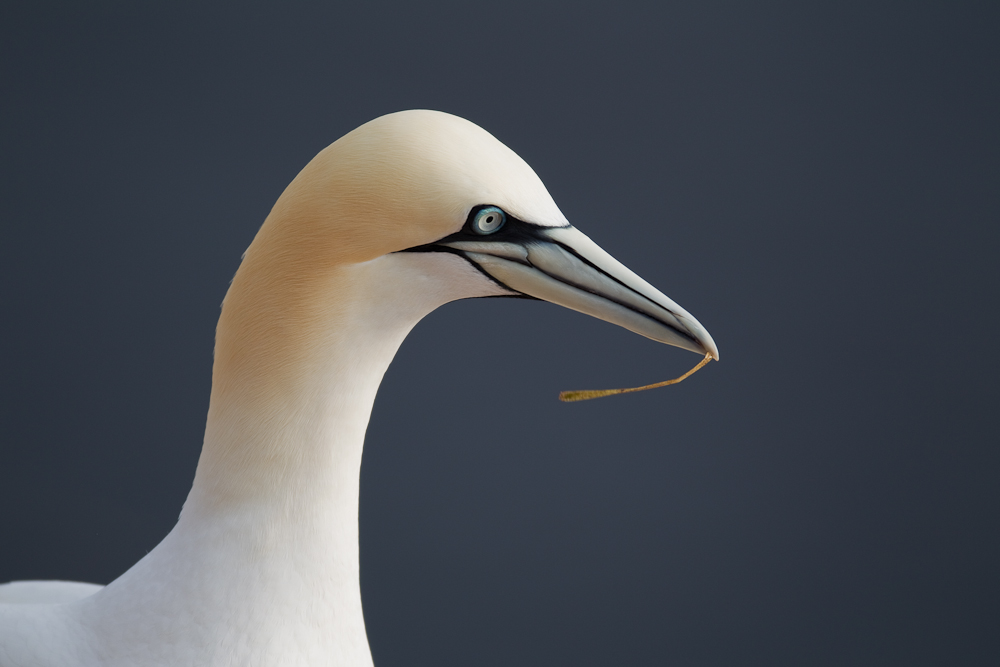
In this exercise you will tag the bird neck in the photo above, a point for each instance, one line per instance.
(295, 377)
(269, 531)
(298, 364)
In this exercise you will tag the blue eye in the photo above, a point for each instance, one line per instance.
(488, 220)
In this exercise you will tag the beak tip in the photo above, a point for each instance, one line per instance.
(701, 335)
(712, 349)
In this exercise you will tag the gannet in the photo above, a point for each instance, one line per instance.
(398, 217)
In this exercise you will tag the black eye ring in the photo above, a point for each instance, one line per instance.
(488, 220)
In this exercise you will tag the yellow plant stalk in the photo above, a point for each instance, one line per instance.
(587, 394)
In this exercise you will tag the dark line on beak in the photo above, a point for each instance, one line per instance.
(434, 247)
(570, 250)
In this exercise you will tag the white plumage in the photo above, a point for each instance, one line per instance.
(262, 566)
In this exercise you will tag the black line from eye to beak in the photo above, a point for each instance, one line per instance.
(515, 231)
(525, 234)
(682, 332)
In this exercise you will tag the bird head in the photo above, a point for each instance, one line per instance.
(426, 183)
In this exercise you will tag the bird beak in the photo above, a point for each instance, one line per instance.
(562, 265)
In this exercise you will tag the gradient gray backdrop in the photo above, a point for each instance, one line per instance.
(817, 184)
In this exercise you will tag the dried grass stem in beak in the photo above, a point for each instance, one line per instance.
(587, 394)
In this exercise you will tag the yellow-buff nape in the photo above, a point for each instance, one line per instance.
(587, 394)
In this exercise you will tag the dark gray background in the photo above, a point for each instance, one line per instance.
(819, 185)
